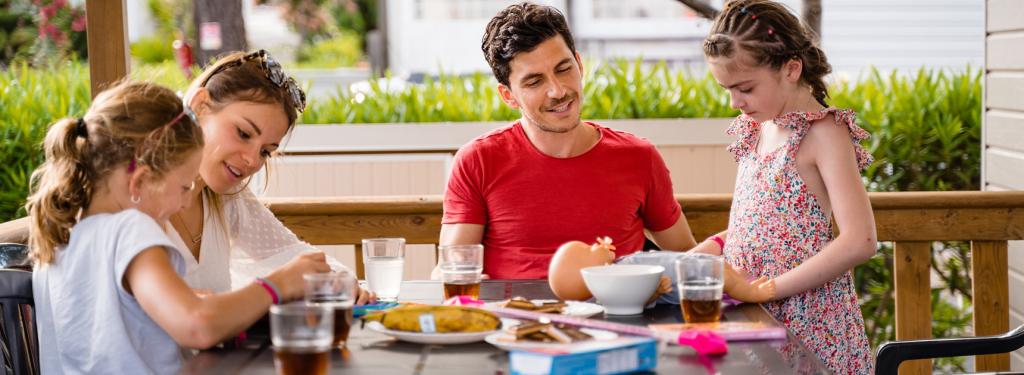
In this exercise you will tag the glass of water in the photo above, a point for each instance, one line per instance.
(384, 262)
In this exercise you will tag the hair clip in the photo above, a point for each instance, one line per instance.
(743, 10)
(81, 129)
(191, 114)
(753, 17)
(771, 31)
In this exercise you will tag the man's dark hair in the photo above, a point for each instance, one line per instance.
(521, 28)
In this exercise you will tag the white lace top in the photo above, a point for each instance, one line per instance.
(246, 242)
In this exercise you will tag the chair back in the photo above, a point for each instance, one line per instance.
(891, 354)
(19, 344)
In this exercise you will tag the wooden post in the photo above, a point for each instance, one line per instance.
(107, 35)
(912, 262)
(360, 269)
(991, 299)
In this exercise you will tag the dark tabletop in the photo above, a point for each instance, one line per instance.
(369, 352)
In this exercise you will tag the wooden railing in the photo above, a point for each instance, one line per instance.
(912, 220)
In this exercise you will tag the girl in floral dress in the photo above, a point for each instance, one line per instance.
(799, 165)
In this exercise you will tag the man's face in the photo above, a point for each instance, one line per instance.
(546, 85)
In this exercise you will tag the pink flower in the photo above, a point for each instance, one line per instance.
(48, 11)
(79, 24)
(46, 30)
(59, 37)
(51, 32)
(59, 3)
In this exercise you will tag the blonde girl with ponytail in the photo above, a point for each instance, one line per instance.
(107, 283)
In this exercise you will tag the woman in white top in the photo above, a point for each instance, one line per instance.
(245, 105)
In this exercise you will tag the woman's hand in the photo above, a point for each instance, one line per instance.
(288, 279)
(365, 297)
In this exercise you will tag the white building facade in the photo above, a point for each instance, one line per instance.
(430, 36)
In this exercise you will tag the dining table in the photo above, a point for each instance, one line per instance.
(371, 352)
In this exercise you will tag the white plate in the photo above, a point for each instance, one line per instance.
(438, 338)
(503, 340)
(572, 308)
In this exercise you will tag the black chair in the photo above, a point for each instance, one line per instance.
(18, 341)
(891, 354)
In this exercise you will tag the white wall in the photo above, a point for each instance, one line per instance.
(903, 34)
(140, 22)
(431, 35)
(1003, 130)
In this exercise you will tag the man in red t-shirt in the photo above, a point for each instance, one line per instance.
(550, 178)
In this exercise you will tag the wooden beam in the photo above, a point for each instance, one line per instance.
(990, 285)
(352, 229)
(912, 262)
(953, 224)
(14, 231)
(107, 35)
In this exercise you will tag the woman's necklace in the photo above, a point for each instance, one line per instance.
(195, 238)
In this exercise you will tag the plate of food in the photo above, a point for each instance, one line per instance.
(426, 324)
(533, 335)
(571, 308)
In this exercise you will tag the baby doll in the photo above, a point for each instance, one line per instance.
(567, 283)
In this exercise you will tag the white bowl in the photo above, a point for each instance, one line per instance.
(622, 288)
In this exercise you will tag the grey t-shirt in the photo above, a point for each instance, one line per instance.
(87, 322)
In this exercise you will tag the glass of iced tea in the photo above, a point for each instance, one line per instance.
(338, 291)
(302, 335)
(700, 287)
(461, 269)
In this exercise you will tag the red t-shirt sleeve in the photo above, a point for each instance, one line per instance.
(661, 209)
(463, 198)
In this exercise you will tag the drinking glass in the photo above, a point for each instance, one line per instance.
(338, 291)
(700, 287)
(301, 334)
(384, 261)
(461, 269)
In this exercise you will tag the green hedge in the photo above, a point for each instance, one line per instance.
(32, 99)
(610, 93)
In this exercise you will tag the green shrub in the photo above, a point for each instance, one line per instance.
(615, 90)
(31, 99)
(34, 98)
(344, 49)
(152, 50)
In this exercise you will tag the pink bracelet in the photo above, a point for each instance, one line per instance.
(269, 287)
(718, 240)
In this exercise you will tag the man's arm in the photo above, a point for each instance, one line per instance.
(461, 234)
(677, 237)
(457, 234)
